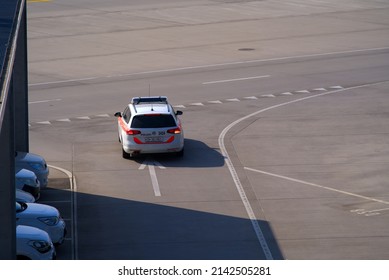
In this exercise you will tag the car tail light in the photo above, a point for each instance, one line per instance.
(176, 130)
(126, 129)
(133, 132)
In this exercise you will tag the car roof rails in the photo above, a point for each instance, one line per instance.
(151, 99)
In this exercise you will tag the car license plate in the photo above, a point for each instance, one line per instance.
(153, 139)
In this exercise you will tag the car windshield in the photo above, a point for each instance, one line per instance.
(153, 121)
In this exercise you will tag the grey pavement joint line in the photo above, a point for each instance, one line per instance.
(209, 66)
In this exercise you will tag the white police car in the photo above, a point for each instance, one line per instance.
(150, 125)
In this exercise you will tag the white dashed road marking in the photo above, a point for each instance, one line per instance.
(44, 122)
(199, 104)
(250, 97)
(302, 91)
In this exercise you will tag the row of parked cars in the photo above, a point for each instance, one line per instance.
(39, 227)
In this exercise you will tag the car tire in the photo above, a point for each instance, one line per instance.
(125, 154)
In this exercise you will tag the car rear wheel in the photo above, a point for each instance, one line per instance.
(125, 154)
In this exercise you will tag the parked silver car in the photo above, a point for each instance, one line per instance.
(33, 244)
(34, 163)
(27, 181)
(22, 196)
(42, 216)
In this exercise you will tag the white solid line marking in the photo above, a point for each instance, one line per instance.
(73, 210)
(235, 80)
(44, 101)
(154, 180)
(153, 174)
(258, 231)
(316, 185)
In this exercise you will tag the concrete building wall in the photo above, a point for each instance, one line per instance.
(13, 113)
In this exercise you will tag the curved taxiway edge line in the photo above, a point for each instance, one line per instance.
(73, 208)
(258, 231)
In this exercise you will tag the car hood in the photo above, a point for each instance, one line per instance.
(25, 177)
(22, 173)
(31, 233)
(27, 157)
(37, 210)
(22, 196)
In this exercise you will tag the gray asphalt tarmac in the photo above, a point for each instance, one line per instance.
(284, 115)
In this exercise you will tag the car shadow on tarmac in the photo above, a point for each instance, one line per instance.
(197, 155)
(109, 228)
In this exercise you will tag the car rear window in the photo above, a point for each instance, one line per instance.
(153, 121)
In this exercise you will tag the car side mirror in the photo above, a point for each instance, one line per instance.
(179, 113)
(118, 114)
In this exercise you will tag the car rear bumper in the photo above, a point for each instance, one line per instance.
(175, 146)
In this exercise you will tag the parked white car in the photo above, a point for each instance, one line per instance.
(22, 196)
(33, 244)
(34, 163)
(27, 181)
(42, 216)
